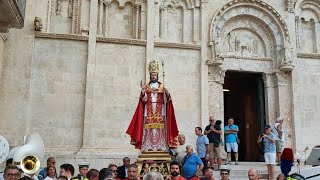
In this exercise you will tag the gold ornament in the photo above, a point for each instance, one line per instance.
(154, 67)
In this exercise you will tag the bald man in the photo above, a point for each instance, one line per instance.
(253, 174)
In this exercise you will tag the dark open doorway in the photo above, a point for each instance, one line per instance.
(244, 101)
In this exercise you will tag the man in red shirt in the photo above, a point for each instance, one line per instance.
(175, 171)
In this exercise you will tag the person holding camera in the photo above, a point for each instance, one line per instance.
(269, 139)
(213, 132)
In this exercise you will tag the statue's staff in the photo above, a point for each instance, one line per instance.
(163, 72)
(164, 103)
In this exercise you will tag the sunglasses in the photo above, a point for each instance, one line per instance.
(224, 173)
(13, 175)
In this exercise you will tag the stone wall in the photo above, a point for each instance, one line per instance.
(56, 101)
(307, 102)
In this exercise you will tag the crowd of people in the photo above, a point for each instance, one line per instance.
(186, 163)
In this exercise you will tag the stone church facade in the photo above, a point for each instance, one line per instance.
(76, 82)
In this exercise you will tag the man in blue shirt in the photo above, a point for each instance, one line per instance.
(231, 134)
(192, 164)
(202, 146)
(268, 139)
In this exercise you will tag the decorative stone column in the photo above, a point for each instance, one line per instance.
(143, 33)
(137, 7)
(100, 14)
(163, 22)
(106, 23)
(270, 101)
(285, 106)
(216, 103)
(196, 27)
(317, 36)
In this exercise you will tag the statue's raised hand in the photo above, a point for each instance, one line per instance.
(142, 85)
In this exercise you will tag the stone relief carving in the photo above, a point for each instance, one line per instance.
(243, 43)
(85, 30)
(286, 61)
(282, 79)
(59, 7)
(70, 8)
(37, 24)
(217, 74)
(289, 4)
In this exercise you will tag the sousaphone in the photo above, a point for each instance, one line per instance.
(28, 156)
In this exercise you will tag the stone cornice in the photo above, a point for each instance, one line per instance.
(122, 41)
(115, 40)
(60, 36)
(177, 45)
(309, 55)
(247, 57)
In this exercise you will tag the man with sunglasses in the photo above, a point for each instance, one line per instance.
(11, 172)
(224, 173)
(114, 169)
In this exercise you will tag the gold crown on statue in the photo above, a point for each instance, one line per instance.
(154, 67)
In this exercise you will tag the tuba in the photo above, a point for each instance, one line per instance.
(28, 156)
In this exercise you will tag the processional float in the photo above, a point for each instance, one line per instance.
(156, 160)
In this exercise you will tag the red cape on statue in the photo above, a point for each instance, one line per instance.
(135, 129)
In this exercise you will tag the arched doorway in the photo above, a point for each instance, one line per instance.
(244, 101)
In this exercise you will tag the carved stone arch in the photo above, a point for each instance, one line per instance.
(308, 5)
(122, 3)
(261, 13)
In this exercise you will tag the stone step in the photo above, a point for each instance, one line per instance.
(240, 172)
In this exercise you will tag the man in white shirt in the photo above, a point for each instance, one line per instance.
(181, 149)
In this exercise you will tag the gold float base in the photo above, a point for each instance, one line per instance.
(156, 161)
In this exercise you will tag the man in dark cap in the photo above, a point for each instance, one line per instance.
(83, 170)
(269, 139)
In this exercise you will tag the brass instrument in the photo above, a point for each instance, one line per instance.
(30, 164)
(28, 156)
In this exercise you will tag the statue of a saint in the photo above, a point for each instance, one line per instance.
(153, 126)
